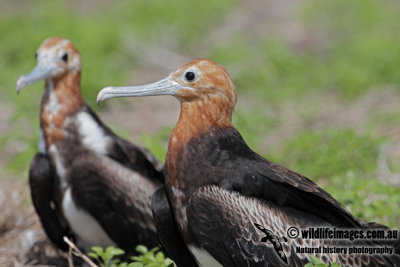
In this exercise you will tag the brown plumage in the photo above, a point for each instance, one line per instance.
(219, 189)
(86, 182)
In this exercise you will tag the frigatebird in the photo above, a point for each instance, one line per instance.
(86, 182)
(218, 188)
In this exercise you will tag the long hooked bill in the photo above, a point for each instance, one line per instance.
(40, 72)
(166, 86)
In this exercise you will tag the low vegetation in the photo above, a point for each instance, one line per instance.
(110, 257)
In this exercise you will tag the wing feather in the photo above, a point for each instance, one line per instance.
(43, 192)
(130, 155)
(243, 170)
(168, 232)
(223, 221)
(117, 197)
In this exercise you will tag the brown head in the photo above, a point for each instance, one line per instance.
(56, 58)
(207, 95)
(59, 64)
(209, 79)
(204, 88)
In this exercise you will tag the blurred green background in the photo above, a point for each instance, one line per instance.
(317, 81)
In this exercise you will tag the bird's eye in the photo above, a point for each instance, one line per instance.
(189, 76)
(65, 57)
(36, 55)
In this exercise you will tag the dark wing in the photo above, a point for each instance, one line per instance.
(42, 185)
(223, 224)
(137, 158)
(252, 175)
(130, 155)
(222, 221)
(168, 232)
(117, 197)
(392, 243)
(287, 188)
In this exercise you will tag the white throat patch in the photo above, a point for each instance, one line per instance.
(52, 106)
(92, 134)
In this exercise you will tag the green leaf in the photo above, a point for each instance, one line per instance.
(93, 255)
(315, 260)
(160, 256)
(98, 250)
(154, 250)
(114, 251)
(136, 258)
(149, 257)
(141, 249)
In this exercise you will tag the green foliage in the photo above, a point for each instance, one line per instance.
(253, 124)
(152, 258)
(355, 51)
(106, 257)
(274, 71)
(366, 197)
(157, 143)
(109, 257)
(364, 51)
(173, 17)
(344, 164)
(327, 152)
(315, 262)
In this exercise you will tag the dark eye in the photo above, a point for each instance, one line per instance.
(190, 76)
(36, 55)
(65, 57)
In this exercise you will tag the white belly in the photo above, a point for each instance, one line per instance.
(204, 258)
(83, 224)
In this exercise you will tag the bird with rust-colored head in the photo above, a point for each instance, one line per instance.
(219, 189)
(58, 60)
(86, 182)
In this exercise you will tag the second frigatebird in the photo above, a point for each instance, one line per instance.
(86, 182)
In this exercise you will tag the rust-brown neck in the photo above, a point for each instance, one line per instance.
(68, 90)
(196, 117)
(61, 98)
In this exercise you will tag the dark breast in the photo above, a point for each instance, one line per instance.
(210, 158)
